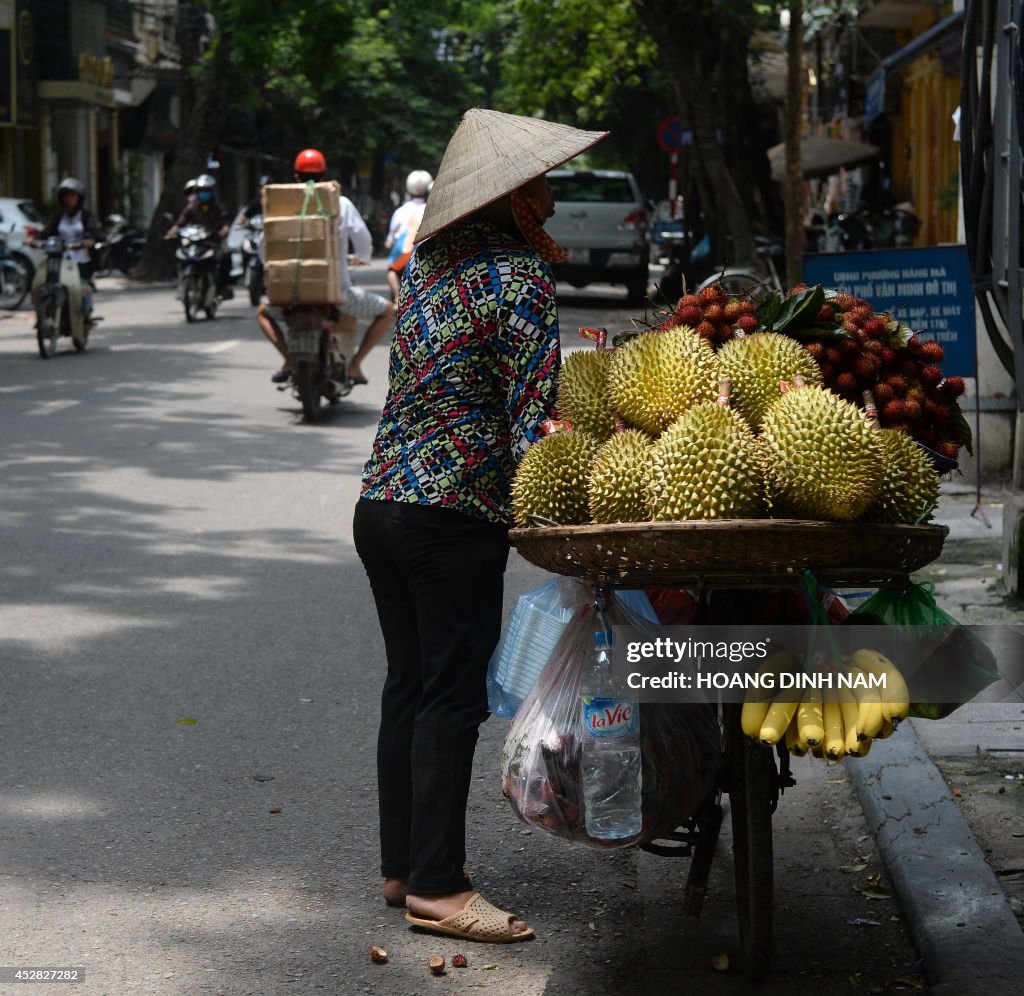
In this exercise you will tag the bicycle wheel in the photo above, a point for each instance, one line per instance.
(736, 283)
(48, 327)
(306, 386)
(13, 285)
(751, 790)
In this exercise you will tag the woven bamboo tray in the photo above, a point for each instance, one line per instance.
(736, 553)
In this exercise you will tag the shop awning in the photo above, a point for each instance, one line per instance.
(822, 156)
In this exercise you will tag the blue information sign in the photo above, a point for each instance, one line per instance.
(929, 289)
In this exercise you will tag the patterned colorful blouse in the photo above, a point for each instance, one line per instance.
(473, 372)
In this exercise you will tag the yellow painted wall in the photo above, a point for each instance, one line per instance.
(926, 160)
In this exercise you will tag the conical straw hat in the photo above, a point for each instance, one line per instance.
(490, 155)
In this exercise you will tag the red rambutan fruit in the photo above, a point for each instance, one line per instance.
(706, 330)
(714, 312)
(816, 349)
(846, 382)
(833, 356)
(883, 393)
(887, 356)
(894, 411)
(690, 315)
(930, 376)
(688, 301)
(932, 351)
(748, 323)
(826, 314)
(865, 367)
(953, 387)
(844, 302)
(948, 448)
(898, 384)
(733, 310)
(913, 409)
(712, 295)
(874, 327)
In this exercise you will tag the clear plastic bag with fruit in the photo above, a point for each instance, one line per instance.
(680, 745)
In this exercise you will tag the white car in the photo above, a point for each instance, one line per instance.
(601, 219)
(20, 219)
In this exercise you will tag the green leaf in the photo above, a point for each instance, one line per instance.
(187, 721)
(768, 309)
(819, 332)
(800, 309)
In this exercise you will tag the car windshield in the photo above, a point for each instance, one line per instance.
(30, 211)
(593, 189)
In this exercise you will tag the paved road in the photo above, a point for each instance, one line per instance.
(189, 672)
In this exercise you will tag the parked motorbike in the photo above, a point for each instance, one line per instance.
(251, 263)
(14, 279)
(120, 247)
(197, 270)
(58, 295)
(319, 366)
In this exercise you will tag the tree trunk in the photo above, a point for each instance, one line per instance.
(793, 119)
(694, 51)
(204, 101)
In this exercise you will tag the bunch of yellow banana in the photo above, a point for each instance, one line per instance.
(831, 722)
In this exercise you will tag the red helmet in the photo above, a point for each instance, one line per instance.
(310, 161)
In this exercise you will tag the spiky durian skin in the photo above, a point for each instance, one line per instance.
(552, 479)
(617, 484)
(706, 466)
(756, 364)
(583, 396)
(910, 486)
(657, 376)
(824, 458)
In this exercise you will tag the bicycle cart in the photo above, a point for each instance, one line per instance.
(730, 560)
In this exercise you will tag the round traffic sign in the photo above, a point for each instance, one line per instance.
(670, 134)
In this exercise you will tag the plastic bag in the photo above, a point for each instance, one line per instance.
(950, 648)
(531, 635)
(680, 746)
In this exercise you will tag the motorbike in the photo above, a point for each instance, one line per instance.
(14, 279)
(319, 366)
(120, 247)
(251, 262)
(58, 294)
(197, 270)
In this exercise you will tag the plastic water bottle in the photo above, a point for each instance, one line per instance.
(610, 766)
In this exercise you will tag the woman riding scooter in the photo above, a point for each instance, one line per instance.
(76, 226)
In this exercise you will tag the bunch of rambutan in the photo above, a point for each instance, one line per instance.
(909, 389)
(715, 315)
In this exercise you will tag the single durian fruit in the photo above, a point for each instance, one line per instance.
(910, 486)
(657, 376)
(824, 457)
(552, 479)
(706, 466)
(757, 363)
(583, 396)
(617, 485)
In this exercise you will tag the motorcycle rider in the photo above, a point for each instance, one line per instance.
(404, 223)
(76, 225)
(356, 302)
(207, 210)
(255, 207)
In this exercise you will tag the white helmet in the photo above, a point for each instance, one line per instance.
(418, 182)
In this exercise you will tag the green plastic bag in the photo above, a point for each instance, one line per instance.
(950, 649)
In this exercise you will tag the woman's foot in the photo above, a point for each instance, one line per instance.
(395, 891)
(440, 907)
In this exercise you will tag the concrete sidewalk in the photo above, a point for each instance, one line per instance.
(945, 800)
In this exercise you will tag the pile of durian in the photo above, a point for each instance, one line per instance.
(664, 428)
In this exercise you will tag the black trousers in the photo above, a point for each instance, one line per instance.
(437, 577)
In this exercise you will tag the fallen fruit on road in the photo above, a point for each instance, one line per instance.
(378, 955)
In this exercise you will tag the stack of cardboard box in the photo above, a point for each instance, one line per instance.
(300, 234)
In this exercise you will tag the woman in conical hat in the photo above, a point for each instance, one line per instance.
(472, 378)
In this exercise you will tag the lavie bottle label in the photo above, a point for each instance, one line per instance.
(610, 717)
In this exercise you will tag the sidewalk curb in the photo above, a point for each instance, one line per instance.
(952, 902)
